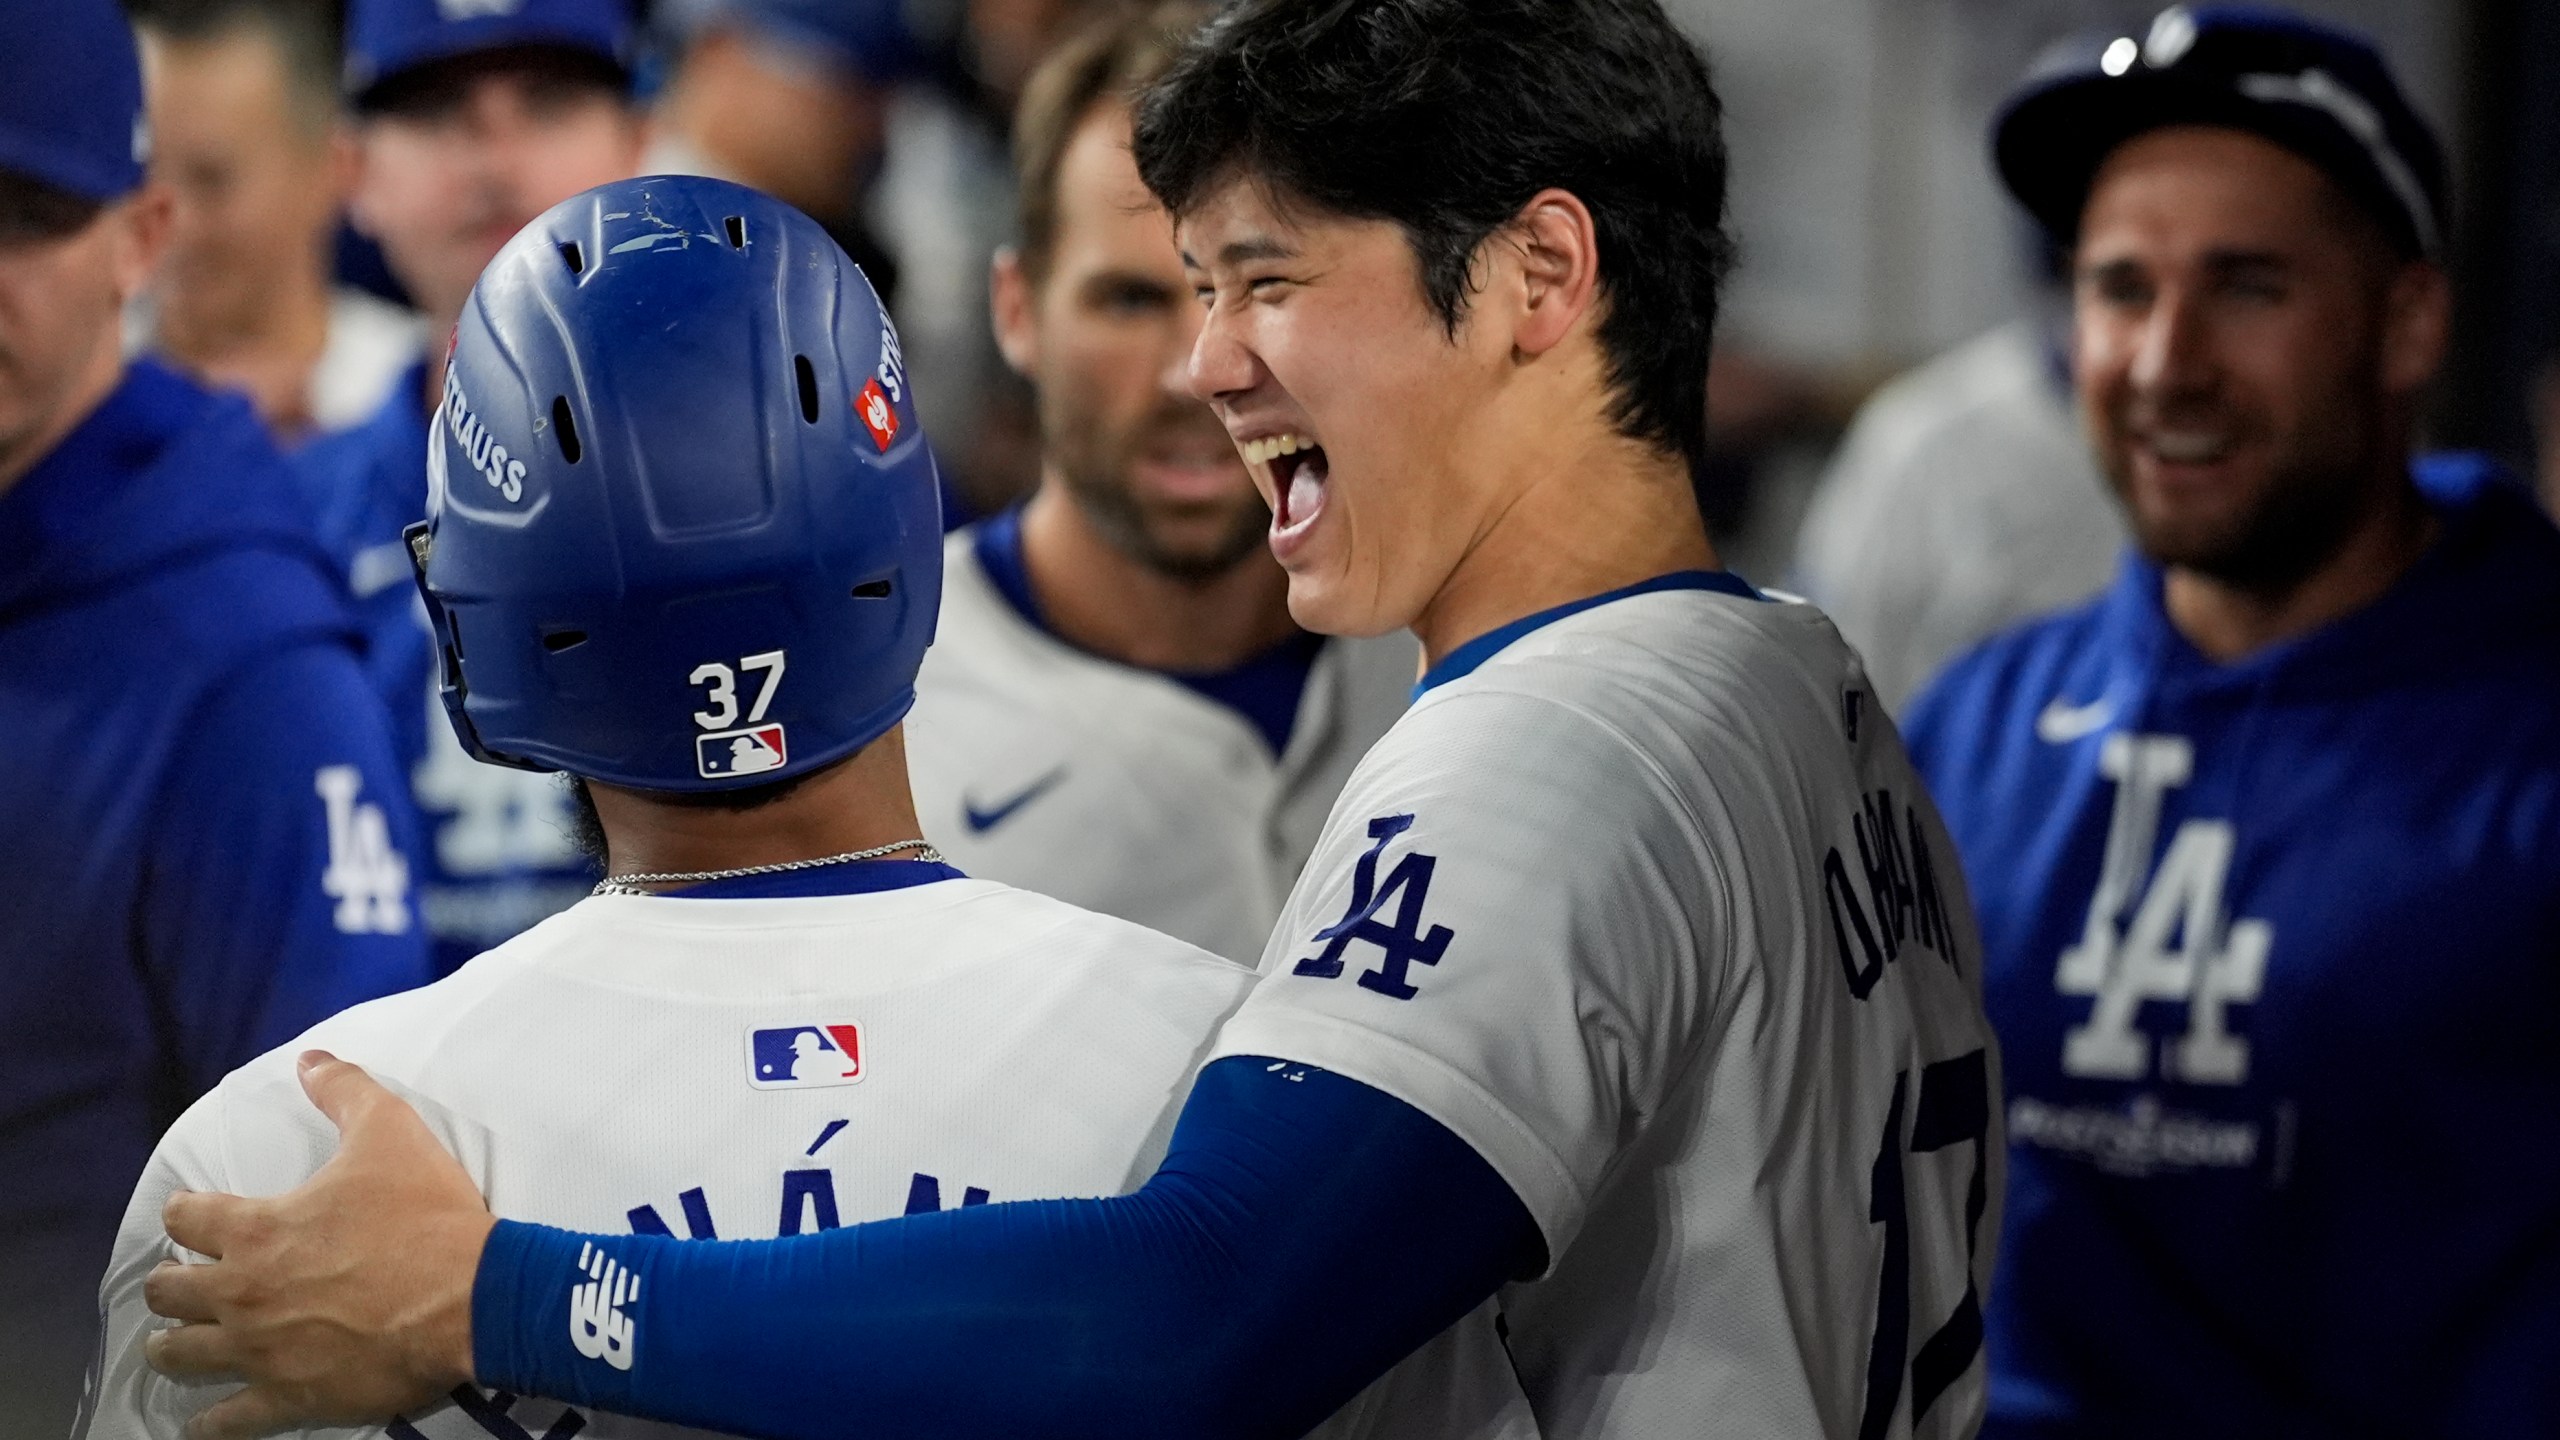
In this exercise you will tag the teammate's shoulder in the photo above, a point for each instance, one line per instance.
(1694, 658)
(401, 1033)
(981, 636)
(1047, 926)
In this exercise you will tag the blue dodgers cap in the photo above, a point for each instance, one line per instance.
(386, 38)
(2317, 90)
(71, 96)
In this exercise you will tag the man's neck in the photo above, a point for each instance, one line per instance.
(1597, 515)
(2227, 622)
(1099, 598)
(270, 352)
(860, 804)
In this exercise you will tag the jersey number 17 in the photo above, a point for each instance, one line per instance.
(1954, 1109)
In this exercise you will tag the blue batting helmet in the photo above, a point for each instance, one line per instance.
(682, 527)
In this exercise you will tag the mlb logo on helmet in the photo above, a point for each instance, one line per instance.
(872, 404)
(804, 1057)
(741, 752)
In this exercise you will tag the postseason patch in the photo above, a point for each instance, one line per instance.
(872, 404)
(804, 1057)
(741, 752)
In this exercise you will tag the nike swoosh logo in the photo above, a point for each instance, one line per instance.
(982, 821)
(2060, 724)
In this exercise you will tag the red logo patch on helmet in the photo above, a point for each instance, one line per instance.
(872, 404)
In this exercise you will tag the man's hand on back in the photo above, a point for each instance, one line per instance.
(346, 1300)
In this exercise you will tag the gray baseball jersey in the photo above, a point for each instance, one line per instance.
(1123, 791)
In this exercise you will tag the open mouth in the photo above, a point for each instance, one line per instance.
(1297, 470)
(2189, 447)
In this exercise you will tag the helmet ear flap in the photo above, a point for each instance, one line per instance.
(451, 685)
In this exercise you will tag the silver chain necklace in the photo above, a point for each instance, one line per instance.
(630, 884)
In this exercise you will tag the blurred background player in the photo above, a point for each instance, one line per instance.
(470, 120)
(1961, 501)
(1629, 991)
(206, 838)
(247, 140)
(1118, 710)
(901, 1038)
(2267, 839)
(885, 120)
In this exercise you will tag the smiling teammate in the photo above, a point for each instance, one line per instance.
(470, 119)
(1118, 710)
(901, 1037)
(1631, 988)
(2268, 836)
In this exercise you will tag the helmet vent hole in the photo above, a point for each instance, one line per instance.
(558, 640)
(564, 427)
(873, 590)
(737, 228)
(577, 261)
(808, 388)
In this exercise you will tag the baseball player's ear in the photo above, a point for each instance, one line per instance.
(147, 219)
(1013, 305)
(1556, 247)
(2417, 326)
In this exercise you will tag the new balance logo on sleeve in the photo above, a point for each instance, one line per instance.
(598, 1325)
(366, 875)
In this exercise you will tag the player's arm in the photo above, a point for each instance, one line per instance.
(1303, 1234)
(1305, 1231)
(276, 888)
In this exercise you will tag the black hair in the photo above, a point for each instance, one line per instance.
(1445, 117)
(1107, 61)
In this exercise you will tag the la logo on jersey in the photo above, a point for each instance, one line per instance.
(366, 874)
(2179, 943)
(741, 752)
(804, 1057)
(872, 404)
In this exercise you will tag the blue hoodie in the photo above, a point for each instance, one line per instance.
(202, 837)
(497, 852)
(2273, 950)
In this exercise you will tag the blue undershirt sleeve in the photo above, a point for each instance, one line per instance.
(1304, 1233)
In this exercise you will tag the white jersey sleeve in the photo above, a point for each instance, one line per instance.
(1649, 909)
(1482, 934)
(126, 1396)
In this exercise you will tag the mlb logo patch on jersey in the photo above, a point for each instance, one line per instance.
(804, 1057)
(741, 752)
(877, 417)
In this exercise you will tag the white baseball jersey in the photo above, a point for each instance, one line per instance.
(744, 1069)
(1650, 909)
(1118, 789)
